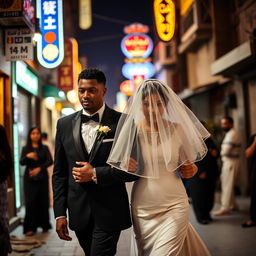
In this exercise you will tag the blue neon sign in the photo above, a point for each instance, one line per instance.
(146, 69)
(50, 48)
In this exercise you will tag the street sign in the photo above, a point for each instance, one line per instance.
(18, 44)
(50, 47)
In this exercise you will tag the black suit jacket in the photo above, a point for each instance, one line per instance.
(107, 201)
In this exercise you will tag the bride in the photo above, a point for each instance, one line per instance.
(158, 138)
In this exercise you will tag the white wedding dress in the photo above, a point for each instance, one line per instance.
(160, 211)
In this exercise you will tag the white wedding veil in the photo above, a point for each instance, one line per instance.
(158, 131)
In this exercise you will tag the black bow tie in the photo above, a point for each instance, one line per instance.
(95, 118)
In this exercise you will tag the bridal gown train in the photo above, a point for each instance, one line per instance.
(160, 212)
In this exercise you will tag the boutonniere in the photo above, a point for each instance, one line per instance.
(103, 129)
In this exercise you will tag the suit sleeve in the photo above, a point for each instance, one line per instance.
(107, 176)
(60, 177)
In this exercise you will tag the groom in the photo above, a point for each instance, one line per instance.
(98, 209)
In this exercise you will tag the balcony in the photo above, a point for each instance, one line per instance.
(195, 27)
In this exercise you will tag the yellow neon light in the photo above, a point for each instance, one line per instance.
(164, 13)
(85, 14)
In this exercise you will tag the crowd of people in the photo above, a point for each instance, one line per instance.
(98, 150)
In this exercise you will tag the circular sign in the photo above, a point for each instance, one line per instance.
(137, 45)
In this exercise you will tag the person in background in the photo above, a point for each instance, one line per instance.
(202, 185)
(230, 156)
(50, 168)
(250, 152)
(6, 165)
(36, 157)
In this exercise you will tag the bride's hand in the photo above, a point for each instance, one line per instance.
(132, 165)
(188, 170)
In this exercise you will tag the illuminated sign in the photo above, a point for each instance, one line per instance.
(164, 17)
(85, 14)
(16, 156)
(126, 87)
(26, 78)
(137, 45)
(50, 48)
(136, 28)
(185, 5)
(137, 60)
(17, 13)
(132, 70)
(66, 71)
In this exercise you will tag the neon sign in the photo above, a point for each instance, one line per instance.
(137, 45)
(126, 87)
(50, 48)
(85, 14)
(132, 70)
(164, 17)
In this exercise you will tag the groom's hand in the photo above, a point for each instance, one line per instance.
(62, 229)
(83, 173)
(188, 170)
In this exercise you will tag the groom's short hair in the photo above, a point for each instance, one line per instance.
(93, 73)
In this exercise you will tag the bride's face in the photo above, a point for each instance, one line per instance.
(152, 106)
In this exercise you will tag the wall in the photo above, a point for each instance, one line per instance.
(198, 66)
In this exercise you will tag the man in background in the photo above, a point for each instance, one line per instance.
(230, 154)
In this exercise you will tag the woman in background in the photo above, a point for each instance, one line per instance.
(6, 166)
(36, 157)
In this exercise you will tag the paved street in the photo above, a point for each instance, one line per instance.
(224, 237)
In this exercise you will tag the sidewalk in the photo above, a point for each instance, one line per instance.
(223, 237)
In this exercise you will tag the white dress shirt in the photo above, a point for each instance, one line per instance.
(89, 129)
(231, 145)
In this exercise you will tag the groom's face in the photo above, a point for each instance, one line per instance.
(91, 94)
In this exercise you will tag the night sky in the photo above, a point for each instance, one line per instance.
(106, 54)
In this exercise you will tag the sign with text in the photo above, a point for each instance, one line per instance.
(50, 48)
(67, 69)
(12, 8)
(18, 44)
(18, 13)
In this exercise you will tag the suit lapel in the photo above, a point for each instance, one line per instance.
(76, 124)
(106, 121)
